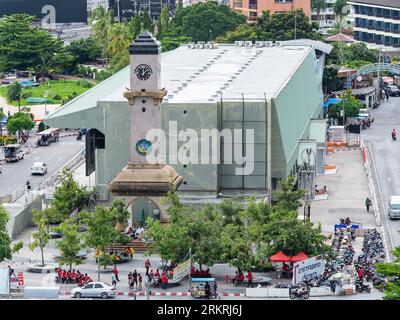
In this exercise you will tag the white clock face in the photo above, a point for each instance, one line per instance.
(143, 72)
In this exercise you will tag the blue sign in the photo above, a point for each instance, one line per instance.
(143, 147)
(387, 60)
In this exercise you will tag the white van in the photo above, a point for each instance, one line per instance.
(394, 207)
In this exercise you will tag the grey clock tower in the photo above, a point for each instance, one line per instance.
(141, 178)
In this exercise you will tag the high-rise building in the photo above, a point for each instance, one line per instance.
(252, 9)
(92, 4)
(129, 8)
(377, 22)
(326, 17)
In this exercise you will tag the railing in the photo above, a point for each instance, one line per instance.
(52, 180)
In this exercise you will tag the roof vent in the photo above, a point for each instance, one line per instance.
(239, 43)
(269, 43)
(185, 84)
(260, 44)
(200, 44)
(248, 43)
(278, 44)
(210, 45)
(191, 45)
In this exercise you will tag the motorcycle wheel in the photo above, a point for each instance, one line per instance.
(306, 296)
(292, 296)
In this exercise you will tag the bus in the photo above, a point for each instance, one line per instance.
(13, 152)
(48, 136)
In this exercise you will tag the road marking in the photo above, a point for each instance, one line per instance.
(383, 204)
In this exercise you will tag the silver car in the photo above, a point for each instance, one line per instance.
(394, 207)
(94, 290)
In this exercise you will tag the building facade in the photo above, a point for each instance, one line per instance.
(271, 94)
(377, 22)
(129, 8)
(252, 9)
(326, 17)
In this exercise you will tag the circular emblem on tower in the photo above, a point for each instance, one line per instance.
(143, 147)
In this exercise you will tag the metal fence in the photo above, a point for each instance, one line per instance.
(52, 180)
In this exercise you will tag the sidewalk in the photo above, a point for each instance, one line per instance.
(347, 191)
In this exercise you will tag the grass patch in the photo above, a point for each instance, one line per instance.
(58, 91)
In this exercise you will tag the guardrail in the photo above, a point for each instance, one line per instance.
(52, 180)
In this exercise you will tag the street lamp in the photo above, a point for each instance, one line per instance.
(307, 179)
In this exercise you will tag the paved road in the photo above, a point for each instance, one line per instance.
(15, 174)
(386, 158)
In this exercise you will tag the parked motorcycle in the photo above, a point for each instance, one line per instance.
(299, 293)
(361, 287)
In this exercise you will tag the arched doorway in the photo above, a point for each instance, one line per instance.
(142, 208)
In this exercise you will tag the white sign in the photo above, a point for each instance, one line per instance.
(182, 270)
(308, 269)
(4, 282)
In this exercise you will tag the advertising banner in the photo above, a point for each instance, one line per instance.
(54, 11)
(182, 270)
(308, 269)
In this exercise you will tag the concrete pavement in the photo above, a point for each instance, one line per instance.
(15, 174)
(385, 156)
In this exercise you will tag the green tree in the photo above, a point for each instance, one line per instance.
(102, 21)
(288, 197)
(121, 214)
(2, 114)
(338, 7)
(5, 241)
(19, 121)
(168, 43)
(119, 39)
(147, 22)
(135, 26)
(14, 93)
(392, 270)
(349, 103)
(163, 22)
(101, 232)
(41, 236)
(189, 21)
(6, 249)
(85, 50)
(330, 80)
(243, 32)
(23, 46)
(70, 244)
(68, 197)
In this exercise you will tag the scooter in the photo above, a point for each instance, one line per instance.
(361, 287)
(299, 293)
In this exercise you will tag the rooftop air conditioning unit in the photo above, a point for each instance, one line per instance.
(239, 43)
(260, 44)
(248, 43)
(210, 45)
(201, 44)
(191, 46)
(278, 44)
(269, 43)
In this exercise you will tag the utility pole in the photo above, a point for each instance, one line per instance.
(190, 271)
(119, 16)
(378, 82)
(295, 25)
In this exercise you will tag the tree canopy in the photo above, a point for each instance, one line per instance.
(23, 46)
(392, 270)
(20, 121)
(204, 21)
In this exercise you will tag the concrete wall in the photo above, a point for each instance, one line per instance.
(20, 216)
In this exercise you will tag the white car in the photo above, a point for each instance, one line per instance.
(94, 290)
(39, 168)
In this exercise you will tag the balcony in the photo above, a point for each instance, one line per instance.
(253, 6)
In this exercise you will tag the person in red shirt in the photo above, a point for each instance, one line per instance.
(157, 273)
(360, 273)
(81, 281)
(115, 271)
(64, 276)
(250, 279)
(69, 277)
(147, 265)
(73, 275)
(164, 281)
(241, 277)
(192, 271)
(85, 278)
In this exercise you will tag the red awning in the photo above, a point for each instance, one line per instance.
(299, 257)
(279, 257)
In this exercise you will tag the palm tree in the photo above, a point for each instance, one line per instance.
(101, 20)
(119, 38)
(338, 9)
(14, 93)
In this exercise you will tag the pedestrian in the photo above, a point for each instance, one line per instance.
(135, 278)
(164, 281)
(114, 280)
(368, 203)
(28, 185)
(347, 221)
(139, 287)
(147, 265)
(115, 271)
(249, 279)
(130, 282)
(387, 95)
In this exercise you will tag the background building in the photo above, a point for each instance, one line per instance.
(128, 8)
(377, 22)
(274, 90)
(326, 17)
(253, 8)
(92, 4)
